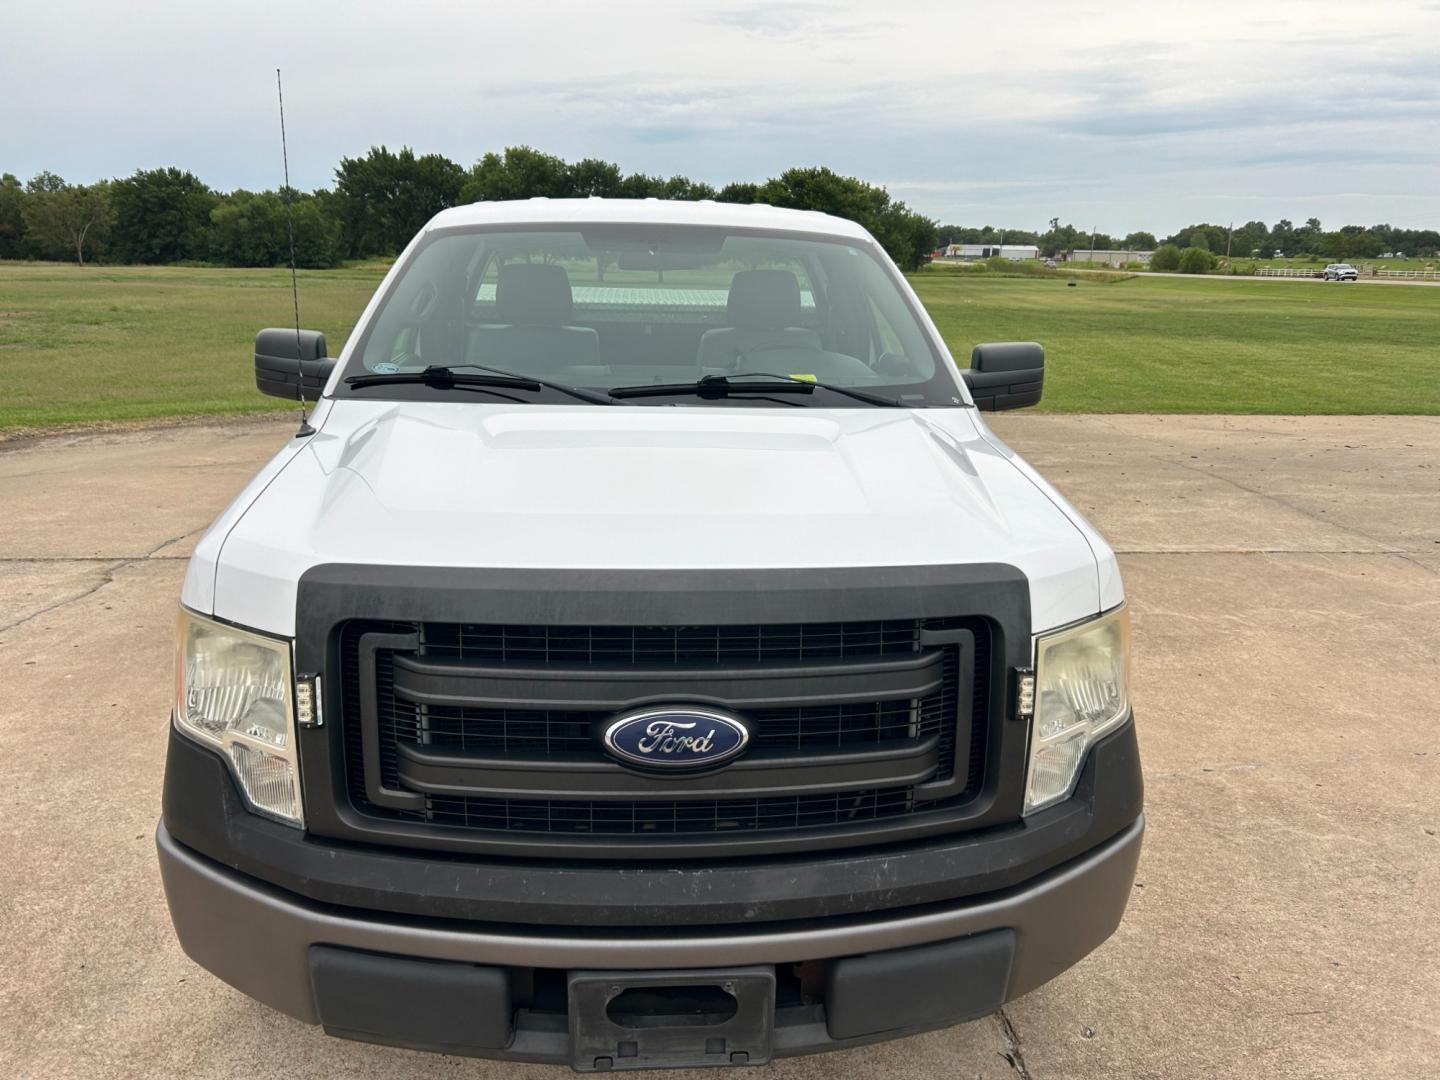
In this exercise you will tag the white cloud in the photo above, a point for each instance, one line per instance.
(1139, 114)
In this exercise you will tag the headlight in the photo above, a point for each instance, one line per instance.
(1082, 691)
(234, 692)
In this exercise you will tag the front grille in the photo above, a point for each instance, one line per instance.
(527, 734)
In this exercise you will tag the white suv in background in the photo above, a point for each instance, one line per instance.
(1341, 272)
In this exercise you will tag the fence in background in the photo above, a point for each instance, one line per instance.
(1365, 272)
(1423, 275)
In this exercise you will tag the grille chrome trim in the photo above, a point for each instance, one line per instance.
(576, 776)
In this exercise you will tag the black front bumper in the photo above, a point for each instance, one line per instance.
(474, 956)
(204, 811)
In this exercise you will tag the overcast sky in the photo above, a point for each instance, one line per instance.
(1124, 114)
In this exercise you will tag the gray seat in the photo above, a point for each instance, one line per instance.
(763, 310)
(533, 306)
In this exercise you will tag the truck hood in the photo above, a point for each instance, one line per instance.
(472, 485)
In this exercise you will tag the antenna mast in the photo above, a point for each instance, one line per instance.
(305, 428)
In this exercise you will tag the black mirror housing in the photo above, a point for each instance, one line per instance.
(286, 357)
(1006, 375)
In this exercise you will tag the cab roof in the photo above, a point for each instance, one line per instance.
(598, 211)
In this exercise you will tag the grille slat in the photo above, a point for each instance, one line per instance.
(529, 734)
(669, 818)
(673, 646)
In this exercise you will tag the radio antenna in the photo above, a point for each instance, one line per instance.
(305, 428)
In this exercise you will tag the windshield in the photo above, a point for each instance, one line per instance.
(623, 306)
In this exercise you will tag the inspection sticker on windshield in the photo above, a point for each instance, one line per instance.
(386, 368)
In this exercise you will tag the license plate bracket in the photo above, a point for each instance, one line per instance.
(671, 1019)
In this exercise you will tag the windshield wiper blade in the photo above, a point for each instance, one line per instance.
(724, 385)
(446, 376)
(443, 377)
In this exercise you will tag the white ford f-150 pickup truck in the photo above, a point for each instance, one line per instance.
(646, 656)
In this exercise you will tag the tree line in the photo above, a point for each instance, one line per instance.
(378, 202)
(1254, 239)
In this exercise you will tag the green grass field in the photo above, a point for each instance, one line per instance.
(130, 343)
(125, 343)
(1151, 344)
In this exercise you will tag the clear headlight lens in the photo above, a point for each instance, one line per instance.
(1082, 692)
(234, 691)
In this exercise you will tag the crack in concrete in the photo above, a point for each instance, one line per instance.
(90, 558)
(1401, 552)
(1406, 556)
(108, 577)
(106, 580)
(1014, 1053)
(1394, 755)
(150, 555)
(1213, 471)
(241, 466)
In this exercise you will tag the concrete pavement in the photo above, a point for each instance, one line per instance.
(1284, 575)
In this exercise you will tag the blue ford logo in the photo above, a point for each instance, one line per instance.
(676, 738)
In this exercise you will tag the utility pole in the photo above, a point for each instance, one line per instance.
(1228, 235)
(1093, 230)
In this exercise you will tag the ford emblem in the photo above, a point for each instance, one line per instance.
(676, 738)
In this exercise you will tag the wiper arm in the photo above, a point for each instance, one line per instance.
(858, 395)
(563, 388)
(725, 385)
(446, 376)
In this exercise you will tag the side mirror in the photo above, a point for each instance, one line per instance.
(284, 357)
(1006, 375)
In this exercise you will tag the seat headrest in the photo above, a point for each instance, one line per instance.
(763, 300)
(533, 294)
